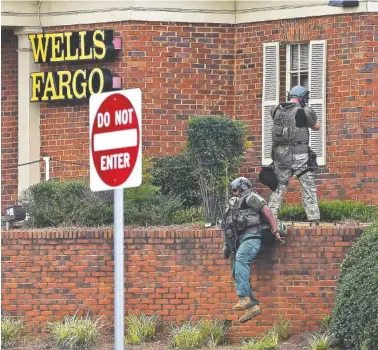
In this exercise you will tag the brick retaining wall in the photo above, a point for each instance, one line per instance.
(175, 274)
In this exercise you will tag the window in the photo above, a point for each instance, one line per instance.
(297, 65)
(306, 66)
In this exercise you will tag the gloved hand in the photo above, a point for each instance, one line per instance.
(226, 251)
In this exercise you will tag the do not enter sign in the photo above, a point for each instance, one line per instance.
(115, 140)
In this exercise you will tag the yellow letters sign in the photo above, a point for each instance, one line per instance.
(71, 47)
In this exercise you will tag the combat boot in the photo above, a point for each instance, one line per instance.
(250, 313)
(243, 304)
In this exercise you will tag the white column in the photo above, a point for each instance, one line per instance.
(29, 140)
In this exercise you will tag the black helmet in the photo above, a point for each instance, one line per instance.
(242, 184)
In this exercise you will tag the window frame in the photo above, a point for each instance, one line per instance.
(288, 64)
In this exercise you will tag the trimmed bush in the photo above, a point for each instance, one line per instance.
(146, 205)
(51, 203)
(176, 177)
(216, 140)
(332, 211)
(155, 210)
(215, 146)
(354, 318)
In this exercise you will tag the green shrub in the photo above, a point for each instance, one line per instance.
(11, 330)
(354, 318)
(187, 215)
(51, 203)
(156, 210)
(332, 211)
(215, 140)
(192, 335)
(146, 205)
(75, 332)
(140, 329)
(176, 177)
(215, 146)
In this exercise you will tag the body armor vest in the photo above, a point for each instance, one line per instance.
(239, 218)
(285, 131)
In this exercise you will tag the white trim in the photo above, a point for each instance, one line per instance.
(372, 6)
(29, 139)
(288, 58)
(267, 103)
(321, 160)
(248, 12)
(58, 13)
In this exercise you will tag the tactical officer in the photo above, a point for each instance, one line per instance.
(291, 152)
(242, 225)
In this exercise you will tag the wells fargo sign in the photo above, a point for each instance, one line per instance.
(98, 45)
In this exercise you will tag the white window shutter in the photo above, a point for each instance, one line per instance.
(317, 87)
(270, 96)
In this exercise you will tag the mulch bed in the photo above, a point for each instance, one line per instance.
(106, 343)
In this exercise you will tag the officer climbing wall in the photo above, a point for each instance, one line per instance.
(244, 234)
(291, 152)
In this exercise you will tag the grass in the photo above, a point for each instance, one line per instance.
(268, 342)
(11, 330)
(140, 329)
(319, 341)
(282, 328)
(192, 335)
(270, 339)
(331, 211)
(364, 346)
(75, 332)
(324, 325)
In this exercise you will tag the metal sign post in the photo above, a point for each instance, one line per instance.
(118, 270)
(115, 138)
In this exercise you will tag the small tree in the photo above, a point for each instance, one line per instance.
(216, 146)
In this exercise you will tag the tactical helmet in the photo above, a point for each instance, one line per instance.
(242, 184)
(301, 93)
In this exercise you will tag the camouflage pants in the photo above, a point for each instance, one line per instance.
(307, 183)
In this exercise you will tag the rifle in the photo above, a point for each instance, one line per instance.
(230, 234)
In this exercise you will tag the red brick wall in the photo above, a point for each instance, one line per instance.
(175, 274)
(189, 69)
(196, 69)
(9, 118)
(352, 122)
(183, 70)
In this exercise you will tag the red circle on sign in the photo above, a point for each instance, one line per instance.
(115, 150)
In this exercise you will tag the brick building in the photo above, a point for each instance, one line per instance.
(230, 58)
